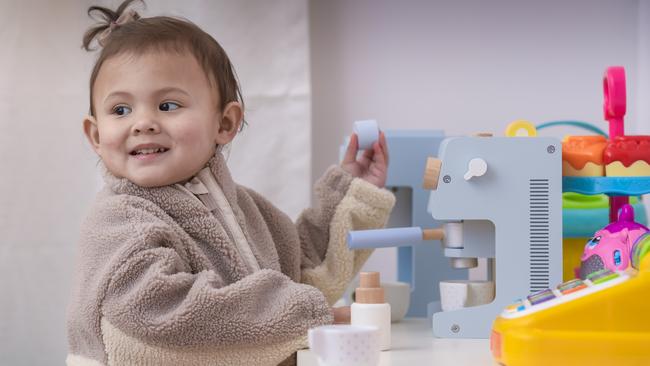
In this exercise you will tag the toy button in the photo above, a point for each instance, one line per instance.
(476, 167)
(511, 308)
(594, 276)
(598, 273)
(517, 306)
(604, 277)
(571, 286)
(541, 296)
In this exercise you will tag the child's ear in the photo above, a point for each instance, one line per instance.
(230, 122)
(91, 132)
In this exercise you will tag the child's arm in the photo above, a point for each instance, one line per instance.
(314, 249)
(328, 264)
(150, 293)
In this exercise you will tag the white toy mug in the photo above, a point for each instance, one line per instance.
(345, 345)
(458, 294)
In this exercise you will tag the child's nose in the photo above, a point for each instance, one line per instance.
(146, 124)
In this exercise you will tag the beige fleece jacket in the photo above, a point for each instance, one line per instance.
(160, 281)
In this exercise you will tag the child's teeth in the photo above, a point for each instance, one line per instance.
(150, 151)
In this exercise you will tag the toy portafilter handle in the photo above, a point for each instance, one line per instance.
(394, 237)
(451, 237)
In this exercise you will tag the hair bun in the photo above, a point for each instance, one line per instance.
(108, 21)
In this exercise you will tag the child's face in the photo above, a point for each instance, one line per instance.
(157, 119)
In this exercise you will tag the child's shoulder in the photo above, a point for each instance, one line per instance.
(109, 206)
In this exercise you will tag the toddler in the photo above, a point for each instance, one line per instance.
(178, 264)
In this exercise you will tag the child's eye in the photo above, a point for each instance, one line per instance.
(121, 110)
(168, 106)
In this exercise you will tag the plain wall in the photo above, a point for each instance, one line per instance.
(465, 66)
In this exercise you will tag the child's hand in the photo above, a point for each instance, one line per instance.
(372, 166)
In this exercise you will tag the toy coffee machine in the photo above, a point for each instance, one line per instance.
(498, 198)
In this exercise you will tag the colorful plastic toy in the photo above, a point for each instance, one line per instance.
(600, 320)
(582, 216)
(612, 246)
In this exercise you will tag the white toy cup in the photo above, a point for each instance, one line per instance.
(368, 133)
(345, 345)
(459, 294)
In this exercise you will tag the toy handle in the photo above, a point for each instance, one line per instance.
(614, 104)
(384, 238)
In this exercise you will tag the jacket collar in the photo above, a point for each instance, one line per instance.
(217, 165)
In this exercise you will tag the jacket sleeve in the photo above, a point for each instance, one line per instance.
(314, 249)
(154, 295)
(343, 204)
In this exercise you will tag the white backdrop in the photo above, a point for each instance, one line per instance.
(48, 172)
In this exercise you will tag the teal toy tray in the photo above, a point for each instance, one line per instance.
(612, 186)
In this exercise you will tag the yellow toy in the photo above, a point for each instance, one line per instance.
(602, 320)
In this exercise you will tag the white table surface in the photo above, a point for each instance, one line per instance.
(412, 343)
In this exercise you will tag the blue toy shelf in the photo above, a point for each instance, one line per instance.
(613, 186)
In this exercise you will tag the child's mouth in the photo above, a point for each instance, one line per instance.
(145, 154)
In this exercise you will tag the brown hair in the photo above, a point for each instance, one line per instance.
(162, 33)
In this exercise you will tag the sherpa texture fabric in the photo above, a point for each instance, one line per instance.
(159, 281)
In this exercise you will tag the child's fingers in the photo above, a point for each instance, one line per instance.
(378, 171)
(379, 156)
(366, 158)
(384, 145)
(368, 153)
(351, 152)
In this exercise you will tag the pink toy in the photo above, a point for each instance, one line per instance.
(614, 108)
(612, 246)
(614, 104)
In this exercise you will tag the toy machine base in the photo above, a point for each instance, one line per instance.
(599, 321)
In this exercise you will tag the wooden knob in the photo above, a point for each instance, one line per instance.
(433, 234)
(431, 173)
(484, 134)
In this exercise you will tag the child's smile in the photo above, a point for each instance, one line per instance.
(148, 152)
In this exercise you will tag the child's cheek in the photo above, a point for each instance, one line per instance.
(192, 137)
(111, 138)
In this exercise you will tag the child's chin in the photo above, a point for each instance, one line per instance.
(151, 182)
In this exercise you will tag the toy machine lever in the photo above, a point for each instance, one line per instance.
(451, 236)
(393, 237)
